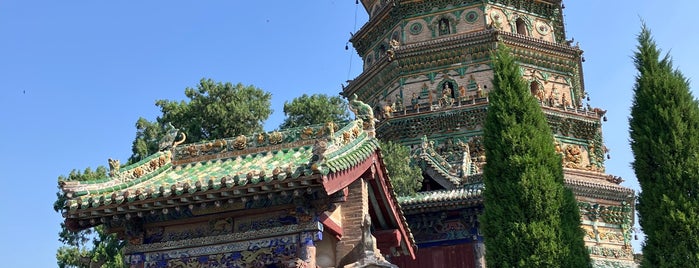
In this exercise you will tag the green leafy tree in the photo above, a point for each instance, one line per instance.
(214, 110)
(319, 109)
(529, 213)
(406, 179)
(664, 130)
(105, 249)
(146, 142)
(314, 109)
(217, 110)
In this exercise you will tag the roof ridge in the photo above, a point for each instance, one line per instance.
(469, 191)
(255, 143)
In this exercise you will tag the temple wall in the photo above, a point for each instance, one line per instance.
(281, 237)
(448, 256)
(354, 209)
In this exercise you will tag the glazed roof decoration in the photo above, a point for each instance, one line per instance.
(466, 195)
(281, 160)
(448, 175)
(289, 162)
(279, 156)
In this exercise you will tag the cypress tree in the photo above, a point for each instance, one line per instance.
(530, 218)
(664, 130)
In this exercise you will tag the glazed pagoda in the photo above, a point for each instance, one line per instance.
(427, 74)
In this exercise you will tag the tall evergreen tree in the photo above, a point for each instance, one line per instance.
(530, 218)
(664, 130)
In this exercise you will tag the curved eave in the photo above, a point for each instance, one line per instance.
(394, 209)
(374, 20)
(438, 172)
(479, 38)
(467, 196)
(124, 178)
(263, 172)
(600, 190)
(519, 40)
(211, 193)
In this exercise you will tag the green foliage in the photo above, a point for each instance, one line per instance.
(406, 179)
(531, 219)
(664, 130)
(315, 109)
(572, 235)
(214, 110)
(105, 250)
(68, 256)
(146, 142)
(217, 110)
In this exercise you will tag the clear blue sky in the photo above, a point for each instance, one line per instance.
(76, 75)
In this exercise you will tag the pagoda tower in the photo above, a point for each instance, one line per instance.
(427, 73)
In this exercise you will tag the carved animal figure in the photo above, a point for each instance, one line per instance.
(168, 141)
(359, 108)
(307, 133)
(387, 111)
(331, 129)
(362, 111)
(113, 166)
(599, 111)
(346, 137)
(367, 239)
(392, 51)
(318, 151)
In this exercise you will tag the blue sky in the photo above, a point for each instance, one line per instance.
(76, 75)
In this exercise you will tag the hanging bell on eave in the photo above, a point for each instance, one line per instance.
(604, 118)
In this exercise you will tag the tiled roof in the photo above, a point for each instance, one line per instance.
(582, 183)
(437, 166)
(316, 159)
(597, 185)
(468, 194)
(448, 175)
(240, 166)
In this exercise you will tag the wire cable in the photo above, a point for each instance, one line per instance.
(356, 9)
